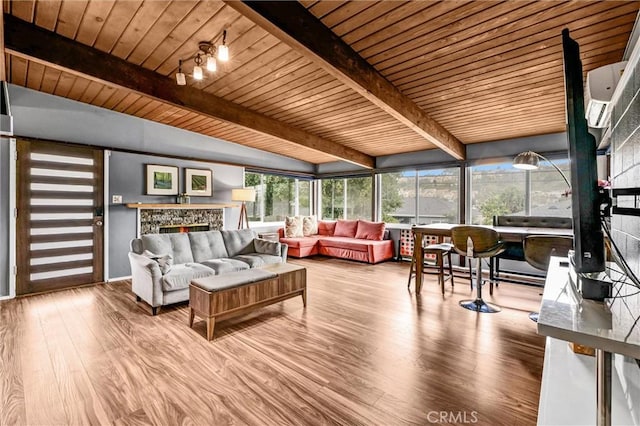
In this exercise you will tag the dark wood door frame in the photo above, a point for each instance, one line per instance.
(25, 222)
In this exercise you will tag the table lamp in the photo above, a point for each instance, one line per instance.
(244, 195)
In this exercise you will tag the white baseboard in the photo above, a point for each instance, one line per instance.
(114, 279)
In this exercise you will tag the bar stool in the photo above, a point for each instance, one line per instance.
(440, 251)
(538, 250)
(477, 242)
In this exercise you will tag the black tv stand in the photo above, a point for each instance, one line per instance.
(592, 285)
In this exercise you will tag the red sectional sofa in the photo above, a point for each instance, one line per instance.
(352, 242)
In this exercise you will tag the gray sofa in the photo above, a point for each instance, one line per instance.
(163, 265)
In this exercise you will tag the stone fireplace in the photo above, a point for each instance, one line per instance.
(155, 221)
(170, 218)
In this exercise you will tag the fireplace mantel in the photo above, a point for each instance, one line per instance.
(146, 206)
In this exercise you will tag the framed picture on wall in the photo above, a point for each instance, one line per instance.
(162, 180)
(199, 182)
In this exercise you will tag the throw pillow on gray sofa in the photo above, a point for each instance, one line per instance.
(239, 242)
(165, 261)
(267, 247)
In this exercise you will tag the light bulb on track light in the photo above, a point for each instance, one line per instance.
(212, 65)
(181, 79)
(223, 53)
(197, 73)
(223, 50)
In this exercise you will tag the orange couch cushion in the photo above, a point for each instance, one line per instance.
(370, 230)
(345, 242)
(299, 242)
(326, 228)
(351, 248)
(346, 228)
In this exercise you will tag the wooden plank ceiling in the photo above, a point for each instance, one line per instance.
(484, 70)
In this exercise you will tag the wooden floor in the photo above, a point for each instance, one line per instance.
(365, 351)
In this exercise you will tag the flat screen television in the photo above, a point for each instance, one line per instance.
(585, 195)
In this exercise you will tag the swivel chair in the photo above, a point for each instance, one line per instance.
(538, 250)
(477, 242)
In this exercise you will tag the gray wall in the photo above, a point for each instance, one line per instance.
(625, 171)
(127, 178)
(508, 148)
(4, 216)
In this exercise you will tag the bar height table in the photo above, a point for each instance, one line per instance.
(507, 233)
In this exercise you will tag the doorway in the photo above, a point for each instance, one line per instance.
(59, 231)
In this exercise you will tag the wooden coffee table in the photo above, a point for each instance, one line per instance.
(292, 279)
(213, 298)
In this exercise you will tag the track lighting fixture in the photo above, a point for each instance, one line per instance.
(206, 56)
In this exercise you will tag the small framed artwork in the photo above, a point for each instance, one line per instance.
(162, 180)
(199, 182)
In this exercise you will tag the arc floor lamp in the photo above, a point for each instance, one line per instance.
(530, 160)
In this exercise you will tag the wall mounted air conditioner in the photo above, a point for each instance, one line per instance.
(601, 83)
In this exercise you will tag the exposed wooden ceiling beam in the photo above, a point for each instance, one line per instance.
(37, 44)
(293, 24)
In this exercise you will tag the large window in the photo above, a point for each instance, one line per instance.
(437, 201)
(277, 197)
(347, 198)
(416, 196)
(398, 197)
(304, 197)
(496, 190)
(333, 199)
(439, 195)
(500, 189)
(549, 190)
